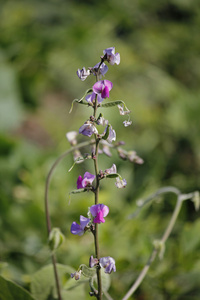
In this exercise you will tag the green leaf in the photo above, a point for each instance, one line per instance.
(11, 291)
(43, 283)
(114, 175)
(81, 101)
(113, 103)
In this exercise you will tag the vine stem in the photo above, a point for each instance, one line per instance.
(167, 232)
(96, 233)
(46, 200)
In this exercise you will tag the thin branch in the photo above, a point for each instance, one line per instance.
(180, 199)
(48, 220)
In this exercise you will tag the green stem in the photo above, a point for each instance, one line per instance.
(180, 199)
(96, 234)
(46, 198)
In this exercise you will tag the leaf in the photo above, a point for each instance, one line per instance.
(113, 103)
(114, 175)
(43, 283)
(11, 291)
(81, 100)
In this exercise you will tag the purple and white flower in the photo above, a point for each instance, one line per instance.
(111, 56)
(120, 183)
(102, 88)
(127, 123)
(80, 229)
(76, 275)
(122, 111)
(93, 261)
(103, 69)
(112, 134)
(88, 129)
(87, 180)
(99, 211)
(83, 74)
(112, 170)
(108, 263)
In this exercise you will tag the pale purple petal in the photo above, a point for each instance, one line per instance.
(98, 86)
(88, 129)
(84, 222)
(108, 263)
(112, 170)
(109, 51)
(87, 179)
(90, 98)
(117, 58)
(120, 183)
(93, 261)
(76, 229)
(108, 84)
(103, 68)
(104, 209)
(112, 135)
(83, 74)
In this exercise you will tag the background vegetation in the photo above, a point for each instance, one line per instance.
(42, 44)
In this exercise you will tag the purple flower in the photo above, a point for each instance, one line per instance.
(76, 275)
(120, 183)
(112, 170)
(85, 181)
(93, 261)
(99, 211)
(108, 263)
(102, 88)
(88, 129)
(110, 56)
(83, 74)
(112, 134)
(80, 229)
(103, 69)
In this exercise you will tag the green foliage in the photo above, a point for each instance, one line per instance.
(11, 291)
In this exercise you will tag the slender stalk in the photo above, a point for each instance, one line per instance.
(48, 220)
(96, 234)
(168, 230)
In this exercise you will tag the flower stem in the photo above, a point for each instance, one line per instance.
(96, 235)
(167, 232)
(46, 200)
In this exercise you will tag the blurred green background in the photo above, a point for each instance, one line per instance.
(42, 44)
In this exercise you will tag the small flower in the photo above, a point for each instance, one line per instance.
(99, 211)
(120, 183)
(103, 69)
(110, 56)
(122, 111)
(93, 261)
(112, 134)
(133, 157)
(102, 88)
(88, 129)
(71, 136)
(108, 263)
(127, 123)
(76, 275)
(80, 229)
(87, 180)
(106, 150)
(112, 170)
(83, 74)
